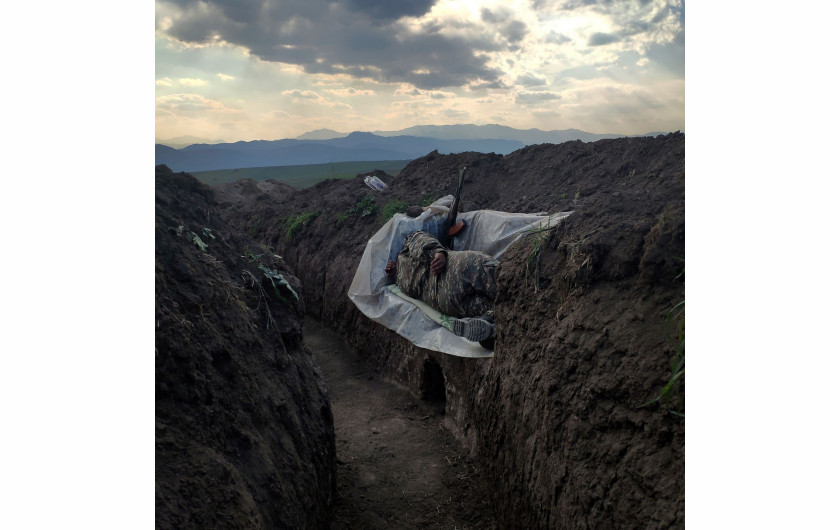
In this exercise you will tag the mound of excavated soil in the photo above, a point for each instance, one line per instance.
(553, 420)
(243, 427)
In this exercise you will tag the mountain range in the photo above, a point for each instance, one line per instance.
(324, 146)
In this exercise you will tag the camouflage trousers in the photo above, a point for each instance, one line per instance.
(466, 288)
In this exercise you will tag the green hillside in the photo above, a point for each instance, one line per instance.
(300, 176)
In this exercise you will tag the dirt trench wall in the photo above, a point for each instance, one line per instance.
(554, 417)
(243, 427)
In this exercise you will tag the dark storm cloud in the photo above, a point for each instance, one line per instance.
(393, 9)
(354, 37)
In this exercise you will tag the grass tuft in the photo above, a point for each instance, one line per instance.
(539, 235)
(392, 207)
(672, 387)
(295, 225)
(365, 207)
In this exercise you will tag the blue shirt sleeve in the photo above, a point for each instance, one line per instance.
(433, 225)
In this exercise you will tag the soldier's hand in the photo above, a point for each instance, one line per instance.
(438, 264)
(390, 267)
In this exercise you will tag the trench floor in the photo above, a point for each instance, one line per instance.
(397, 466)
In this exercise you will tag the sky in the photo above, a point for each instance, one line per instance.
(263, 69)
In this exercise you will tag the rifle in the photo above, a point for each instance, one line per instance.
(452, 227)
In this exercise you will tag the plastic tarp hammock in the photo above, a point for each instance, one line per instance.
(486, 230)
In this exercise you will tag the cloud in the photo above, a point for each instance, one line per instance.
(407, 90)
(456, 114)
(308, 96)
(393, 10)
(509, 28)
(188, 81)
(600, 39)
(529, 80)
(530, 98)
(414, 92)
(637, 25)
(164, 82)
(189, 104)
(557, 38)
(514, 31)
(225, 77)
(361, 38)
(350, 92)
(301, 94)
(480, 86)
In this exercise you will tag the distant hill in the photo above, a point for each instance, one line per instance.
(324, 146)
(321, 134)
(527, 137)
(183, 141)
(357, 146)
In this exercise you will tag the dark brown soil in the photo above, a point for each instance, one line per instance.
(243, 427)
(553, 420)
(397, 466)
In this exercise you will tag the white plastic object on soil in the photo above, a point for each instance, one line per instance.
(375, 184)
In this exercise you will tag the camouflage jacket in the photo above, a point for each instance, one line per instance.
(467, 287)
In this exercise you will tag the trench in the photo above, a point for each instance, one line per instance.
(398, 467)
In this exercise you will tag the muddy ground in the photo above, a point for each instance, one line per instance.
(398, 467)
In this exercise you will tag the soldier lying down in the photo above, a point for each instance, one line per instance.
(458, 283)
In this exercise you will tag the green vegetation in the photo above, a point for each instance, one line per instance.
(300, 177)
(539, 235)
(296, 224)
(365, 207)
(277, 281)
(341, 218)
(254, 225)
(392, 207)
(676, 318)
(250, 256)
(428, 199)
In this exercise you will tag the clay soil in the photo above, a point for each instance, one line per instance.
(397, 466)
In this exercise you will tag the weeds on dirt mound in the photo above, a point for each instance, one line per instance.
(254, 226)
(428, 199)
(365, 207)
(341, 218)
(539, 235)
(295, 225)
(672, 387)
(393, 207)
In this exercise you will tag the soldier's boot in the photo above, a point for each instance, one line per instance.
(474, 329)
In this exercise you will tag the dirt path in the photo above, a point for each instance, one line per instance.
(397, 466)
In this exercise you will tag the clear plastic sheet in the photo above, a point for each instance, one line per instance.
(486, 230)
